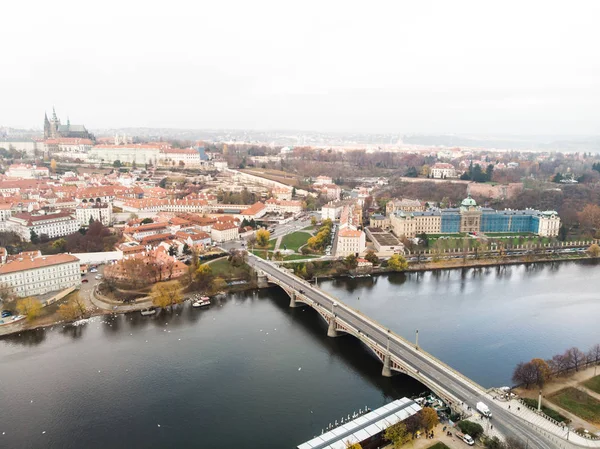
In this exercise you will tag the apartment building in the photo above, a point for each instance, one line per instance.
(102, 212)
(53, 225)
(29, 276)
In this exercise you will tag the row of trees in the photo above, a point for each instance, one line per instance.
(321, 240)
(537, 371)
(402, 432)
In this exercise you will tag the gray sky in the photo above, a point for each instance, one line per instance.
(528, 67)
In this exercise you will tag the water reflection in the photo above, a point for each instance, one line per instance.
(26, 338)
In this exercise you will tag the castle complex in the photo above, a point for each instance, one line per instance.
(470, 218)
(54, 129)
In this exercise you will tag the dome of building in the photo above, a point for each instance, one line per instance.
(468, 202)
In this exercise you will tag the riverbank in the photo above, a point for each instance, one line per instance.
(331, 269)
(99, 305)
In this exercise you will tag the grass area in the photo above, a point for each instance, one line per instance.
(593, 384)
(437, 236)
(224, 269)
(439, 445)
(510, 234)
(299, 256)
(309, 228)
(547, 410)
(578, 402)
(294, 240)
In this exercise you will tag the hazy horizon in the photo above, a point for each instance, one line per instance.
(464, 68)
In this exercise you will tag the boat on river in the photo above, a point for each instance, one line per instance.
(203, 301)
(147, 312)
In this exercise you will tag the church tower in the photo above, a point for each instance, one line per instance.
(46, 127)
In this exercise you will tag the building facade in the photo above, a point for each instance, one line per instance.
(29, 276)
(442, 170)
(470, 218)
(53, 225)
(102, 212)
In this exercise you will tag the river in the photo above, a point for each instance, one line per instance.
(249, 372)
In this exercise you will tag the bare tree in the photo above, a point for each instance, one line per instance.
(594, 354)
(575, 358)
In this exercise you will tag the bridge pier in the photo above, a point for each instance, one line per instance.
(262, 281)
(293, 300)
(331, 330)
(387, 366)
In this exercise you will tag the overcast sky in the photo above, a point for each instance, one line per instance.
(524, 66)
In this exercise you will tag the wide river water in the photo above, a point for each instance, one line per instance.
(251, 373)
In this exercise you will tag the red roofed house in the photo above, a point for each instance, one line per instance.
(350, 241)
(254, 212)
(29, 276)
(224, 232)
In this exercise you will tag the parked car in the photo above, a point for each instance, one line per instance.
(6, 313)
(85, 281)
(93, 270)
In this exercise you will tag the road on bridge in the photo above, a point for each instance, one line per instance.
(427, 366)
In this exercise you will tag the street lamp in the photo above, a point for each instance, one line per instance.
(333, 304)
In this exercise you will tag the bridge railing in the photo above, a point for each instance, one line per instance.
(396, 337)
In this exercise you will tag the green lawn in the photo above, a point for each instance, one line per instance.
(309, 228)
(299, 256)
(547, 410)
(224, 269)
(294, 240)
(510, 234)
(578, 403)
(439, 445)
(593, 384)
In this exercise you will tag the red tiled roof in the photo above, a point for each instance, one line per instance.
(38, 262)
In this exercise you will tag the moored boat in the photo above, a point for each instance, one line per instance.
(146, 312)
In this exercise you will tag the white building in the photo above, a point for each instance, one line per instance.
(27, 171)
(443, 170)
(5, 214)
(283, 206)
(53, 225)
(101, 212)
(68, 145)
(175, 157)
(350, 241)
(224, 232)
(29, 276)
(549, 224)
(332, 210)
(140, 154)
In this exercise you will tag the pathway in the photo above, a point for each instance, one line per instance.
(278, 243)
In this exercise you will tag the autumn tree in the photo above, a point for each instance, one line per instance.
(429, 418)
(541, 372)
(203, 277)
(166, 294)
(397, 434)
(30, 307)
(262, 238)
(53, 166)
(313, 220)
(397, 263)
(372, 257)
(351, 261)
(589, 217)
(75, 308)
(593, 250)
